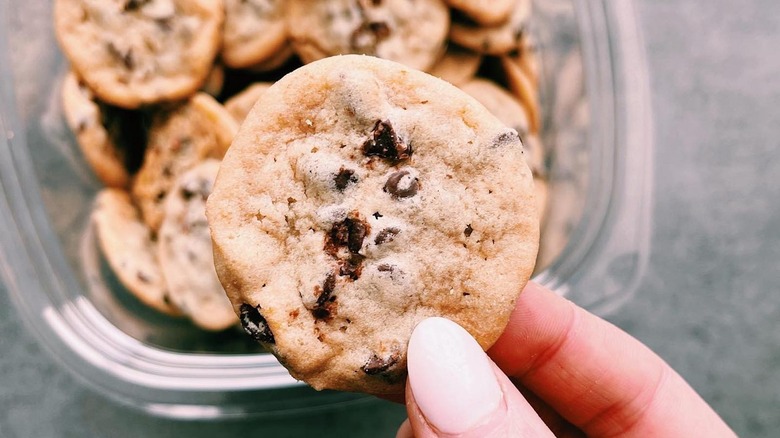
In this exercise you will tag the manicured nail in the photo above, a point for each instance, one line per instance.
(451, 377)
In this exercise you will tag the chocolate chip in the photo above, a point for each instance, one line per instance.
(384, 143)
(142, 277)
(377, 215)
(326, 292)
(126, 58)
(200, 187)
(386, 235)
(377, 365)
(506, 138)
(401, 184)
(380, 29)
(326, 304)
(321, 313)
(344, 178)
(467, 232)
(384, 267)
(348, 233)
(351, 267)
(132, 5)
(255, 324)
(368, 35)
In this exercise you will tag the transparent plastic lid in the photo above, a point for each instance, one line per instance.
(596, 124)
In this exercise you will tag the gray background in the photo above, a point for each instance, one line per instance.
(709, 303)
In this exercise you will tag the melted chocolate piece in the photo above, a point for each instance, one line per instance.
(352, 267)
(395, 187)
(255, 324)
(467, 232)
(384, 143)
(326, 293)
(348, 233)
(344, 178)
(506, 138)
(378, 365)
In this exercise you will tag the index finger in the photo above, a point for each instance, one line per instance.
(595, 375)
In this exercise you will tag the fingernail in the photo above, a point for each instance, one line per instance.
(451, 377)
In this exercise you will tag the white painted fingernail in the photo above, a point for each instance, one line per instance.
(451, 377)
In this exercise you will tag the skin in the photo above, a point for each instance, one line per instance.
(565, 372)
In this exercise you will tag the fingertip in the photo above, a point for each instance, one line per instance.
(451, 377)
(455, 390)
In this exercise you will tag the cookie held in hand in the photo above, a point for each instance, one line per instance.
(359, 198)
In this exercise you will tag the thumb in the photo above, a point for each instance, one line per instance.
(455, 390)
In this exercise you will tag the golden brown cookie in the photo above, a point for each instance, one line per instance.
(179, 138)
(131, 252)
(522, 86)
(255, 30)
(86, 118)
(137, 52)
(409, 32)
(184, 251)
(359, 198)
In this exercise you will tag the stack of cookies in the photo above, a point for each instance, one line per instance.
(158, 89)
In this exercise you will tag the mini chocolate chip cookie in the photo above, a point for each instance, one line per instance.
(131, 252)
(409, 32)
(137, 52)
(111, 139)
(255, 30)
(360, 197)
(184, 251)
(494, 40)
(523, 87)
(239, 105)
(179, 138)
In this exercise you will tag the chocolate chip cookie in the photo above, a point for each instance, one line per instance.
(255, 30)
(179, 138)
(136, 52)
(360, 197)
(184, 251)
(111, 139)
(409, 32)
(131, 252)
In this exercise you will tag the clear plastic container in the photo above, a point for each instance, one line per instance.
(596, 109)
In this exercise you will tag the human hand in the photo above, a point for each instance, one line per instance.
(557, 370)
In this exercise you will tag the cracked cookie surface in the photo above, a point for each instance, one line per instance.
(358, 198)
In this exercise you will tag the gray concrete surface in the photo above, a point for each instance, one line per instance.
(709, 303)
